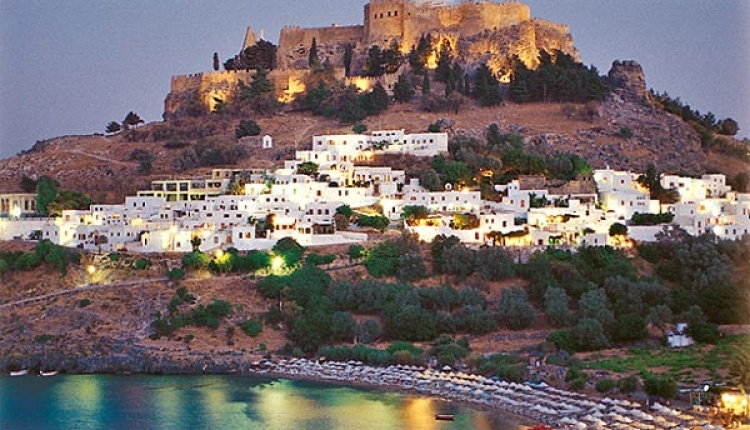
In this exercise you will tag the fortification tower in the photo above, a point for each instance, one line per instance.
(384, 20)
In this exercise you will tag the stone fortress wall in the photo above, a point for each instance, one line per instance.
(483, 32)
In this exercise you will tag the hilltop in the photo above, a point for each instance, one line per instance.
(103, 166)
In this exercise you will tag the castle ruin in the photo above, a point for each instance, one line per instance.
(480, 32)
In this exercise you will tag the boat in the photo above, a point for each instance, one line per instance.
(19, 372)
(48, 373)
(444, 417)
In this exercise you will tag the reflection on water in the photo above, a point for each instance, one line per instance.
(218, 402)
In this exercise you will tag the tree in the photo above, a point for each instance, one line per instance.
(217, 64)
(392, 58)
(46, 192)
(495, 264)
(113, 127)
(444, 61)
(28, 184)
(247, 127)
(618, 229)
(382, 260)
(308, 168)
(342, 326)
(132, 119)
(376, 100)
(312, 59)
(350, 109)
(411, 267)
(515, 311)
(348, 54)
(590, 335)
(369, 331)
(556, 307)
(403, 90)
(728, 127)
(458, 261)
(659, 316)
(374, 65)
(426, 83)
(594, 305)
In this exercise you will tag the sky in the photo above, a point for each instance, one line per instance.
(70, 67)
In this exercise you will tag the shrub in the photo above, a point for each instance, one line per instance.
(247, 128)
(659, 385)
(142, 264)
(369, 331)
(83, 303)
(605, 385)
(43, 338)
(628, 384)
(175, 274)
(514, 310)
(251, 328)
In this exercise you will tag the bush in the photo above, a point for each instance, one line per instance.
(247, 128)
(43, 338)
(83, 303)
(369, 331)
(605, 385)
(514, 310)
(142, 264)
(628, 384)
(251, 328)
(175, 274)
(563, 340)
(659, 385)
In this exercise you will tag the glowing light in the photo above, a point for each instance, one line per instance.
(218, 254)
(277, 262)
(90, 269)
(15, 212)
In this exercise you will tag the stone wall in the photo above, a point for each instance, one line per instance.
(295, 42)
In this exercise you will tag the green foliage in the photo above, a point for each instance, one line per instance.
(411, 267)
(410, 322)
(556, 307)
(43, 338)
(356, 252)
(308, 168)
(132, 119)
(564, 340)
(376, 100)
(629, 328)
(247, 127)
(557, 78)
(261, 54)
(175, 274)
(594, 304)
(343, 326)
(448, 350)
(486, 87)
(514, 310)
(83, 303)
(46, 192)
(628, 384)
(403, 91)
(618, 229)
(207, 153)
(142, 264)
(319, 260)
(475, 320)
(195, 260)
(378, 222)
(659, 385)
(251, 327)
(458, 261)
(652, 219)
(368, 331)
(590, 335)
(113, 127)
(201, 316)
(438, 246)
(290, 249)
(359, 128)
(625, 132)
(605, 385)
(507, 367)
(495, 264)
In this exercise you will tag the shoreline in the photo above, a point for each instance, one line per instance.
(516, 404)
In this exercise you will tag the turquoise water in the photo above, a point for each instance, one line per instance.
(93, 402)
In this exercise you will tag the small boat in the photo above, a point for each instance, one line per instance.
(19, 372)
(444, 417)
(49, 373)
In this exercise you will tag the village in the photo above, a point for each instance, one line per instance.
(251, 209)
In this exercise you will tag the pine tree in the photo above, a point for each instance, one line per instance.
(216, 61)
(313, 57)
(348, 54)
(402, 90)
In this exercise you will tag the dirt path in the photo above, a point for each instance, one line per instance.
(97, 157)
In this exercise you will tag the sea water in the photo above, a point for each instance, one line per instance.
(107, 402)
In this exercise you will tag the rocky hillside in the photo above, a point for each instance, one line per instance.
(624, 132)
